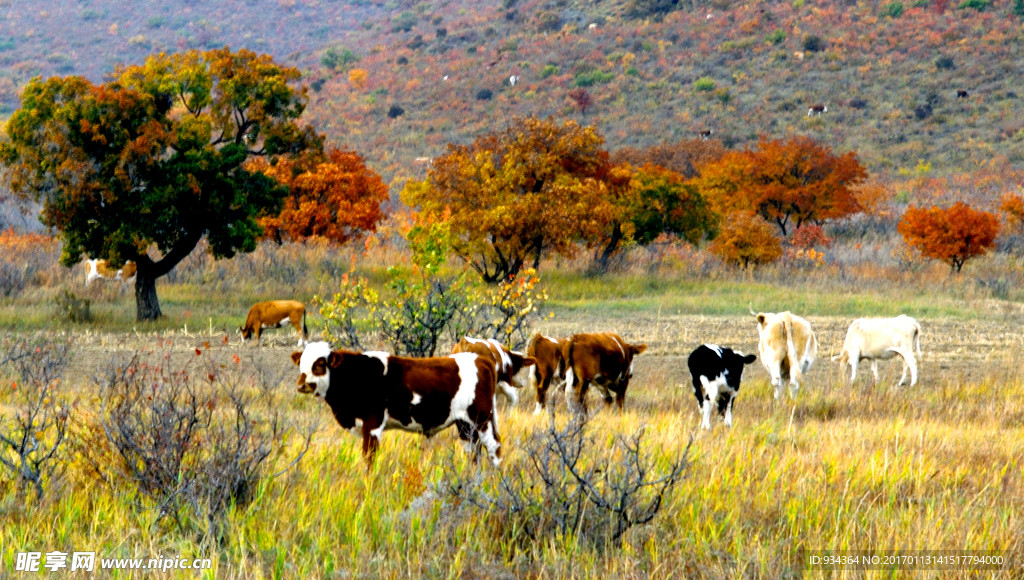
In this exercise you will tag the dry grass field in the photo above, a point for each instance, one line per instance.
(937, 466)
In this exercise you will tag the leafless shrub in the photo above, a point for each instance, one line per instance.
(571, 486)
(195, 436)
(32, 439)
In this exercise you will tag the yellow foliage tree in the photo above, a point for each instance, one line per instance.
(357, 77)
(747, 240)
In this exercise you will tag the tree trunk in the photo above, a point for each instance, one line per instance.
(147, 305)
(609, 249)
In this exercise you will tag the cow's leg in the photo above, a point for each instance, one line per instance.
(490, 439)
(620, 396)
(908, 362)
(542, 392)
(372, 429)
(854, 360)
(776, 373)
(874, 371)
(710, 396)
(509, 392)
(728, 413)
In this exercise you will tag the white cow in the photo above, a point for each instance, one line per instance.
(881, 339)
(787, 347)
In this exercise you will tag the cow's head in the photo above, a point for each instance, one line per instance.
(734, 361)
(631, 351)
(246, 333)
(519, 361)
(315, 363)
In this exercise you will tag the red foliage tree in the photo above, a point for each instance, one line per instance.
(953, 235)
(334, 196)
(788, 180)
(582, 99)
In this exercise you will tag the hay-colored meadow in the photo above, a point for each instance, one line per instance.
(936, 466)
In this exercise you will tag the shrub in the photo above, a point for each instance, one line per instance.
(338, 58)
(1018, 8)
(71, 308)
(809, 236)
(776, 36)
(923, 111)
(1013, 206)
(746, 240)
(547, 21)
(401, 60)
(26, 259)
(813, 43)
(395, 111)
(194, 437)
(945, 63)
(484, 95)
(404, 21)
(441, 33)
(156, 21)
(33, 437)
(413, 313)
(593, 78)
(416, 42)
(648, 8)
(548, 70)
(978, 5)
(858, 103)
(894, 9)
(953, 235)
(571, 486)
(705, 84)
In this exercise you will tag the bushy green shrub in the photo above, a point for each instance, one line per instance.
(894, 9)
(705, 84)
(593, 78)
(978, 5)
(548, 70)
(776, 36)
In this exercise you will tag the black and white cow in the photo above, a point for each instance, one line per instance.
(716, 372)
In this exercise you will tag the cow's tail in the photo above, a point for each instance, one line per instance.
(794, 361)
(567, 361)
(305, 329)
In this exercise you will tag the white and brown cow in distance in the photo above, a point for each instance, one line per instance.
(507, 363)
(548, 366)
(878, 339)
(376, 392)
(101, 270)
(275, 314)
(787, 346)
(602, 359)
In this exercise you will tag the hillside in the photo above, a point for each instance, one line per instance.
(889, 73)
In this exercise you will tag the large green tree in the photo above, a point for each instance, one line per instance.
(157, 157)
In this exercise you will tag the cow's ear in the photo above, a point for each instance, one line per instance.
(529, 361)
(296, 356)
(334, 360)
(749, 359)
(760, 320)
(639, 348)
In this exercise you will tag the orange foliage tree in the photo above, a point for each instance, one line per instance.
(357, 77)
(953, 235)
(536, 187)
(333, 196)
(746, 240)
(1013, 206)
(795, 179)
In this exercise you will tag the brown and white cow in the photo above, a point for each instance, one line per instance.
(881, 339)
(603, 359)
(376, 392)
(787, 346)
(100, 270)
(507, 363)
(548, 366)
(275, 314)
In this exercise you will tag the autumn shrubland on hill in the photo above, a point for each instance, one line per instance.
(398, 80)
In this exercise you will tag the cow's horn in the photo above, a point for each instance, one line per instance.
(750, 307)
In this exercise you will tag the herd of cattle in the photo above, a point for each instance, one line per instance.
(428, 395)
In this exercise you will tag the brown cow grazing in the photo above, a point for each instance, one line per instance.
(376, 392)
(275, 314)
(548, 365)
(507, 363)
(603, 359)
(705, 135)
